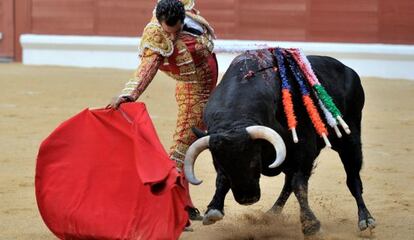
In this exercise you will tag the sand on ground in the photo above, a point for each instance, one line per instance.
(34, 100)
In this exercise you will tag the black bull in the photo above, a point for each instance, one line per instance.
(242, 100)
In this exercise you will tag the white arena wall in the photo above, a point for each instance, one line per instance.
(368, 60)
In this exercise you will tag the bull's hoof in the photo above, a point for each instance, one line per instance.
(367, 223)
(311, 227)
(212, 216)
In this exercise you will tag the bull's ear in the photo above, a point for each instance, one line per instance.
(198, 132)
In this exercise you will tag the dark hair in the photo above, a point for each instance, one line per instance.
(170, 11)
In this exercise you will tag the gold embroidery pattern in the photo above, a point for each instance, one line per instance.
(203, 47)
(183, 78)
(183, 57)
(191, 98)
(155, 38)
(188, 4)
(184, 60)
(143, 75)
(187, 69)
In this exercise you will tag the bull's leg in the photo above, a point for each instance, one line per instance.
(215, 210)
(351, 156)
(284, 196)
(310, 224)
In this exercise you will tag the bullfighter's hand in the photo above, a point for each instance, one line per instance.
(117, 101)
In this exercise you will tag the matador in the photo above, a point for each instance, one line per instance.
(183, 49)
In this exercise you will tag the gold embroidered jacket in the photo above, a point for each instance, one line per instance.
(177, 58)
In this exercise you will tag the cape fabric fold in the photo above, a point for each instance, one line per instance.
(103, 174)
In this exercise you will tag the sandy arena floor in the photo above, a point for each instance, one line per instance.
(34, 100)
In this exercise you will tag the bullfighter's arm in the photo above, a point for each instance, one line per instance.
(150, 62)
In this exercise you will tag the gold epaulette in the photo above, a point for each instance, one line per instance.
(188, 4)
(155, 39)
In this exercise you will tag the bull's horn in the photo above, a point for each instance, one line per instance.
(190, 157)
(262, 132)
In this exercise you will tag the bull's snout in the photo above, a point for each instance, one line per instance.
(248, 195)
(248, 201)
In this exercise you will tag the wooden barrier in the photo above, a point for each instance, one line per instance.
(352, 21)
(6, 29)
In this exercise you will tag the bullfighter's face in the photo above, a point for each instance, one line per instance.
(238, 157)
(172, 30)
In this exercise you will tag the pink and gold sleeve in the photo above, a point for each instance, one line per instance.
(150, 62)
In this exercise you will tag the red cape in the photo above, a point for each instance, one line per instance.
(103, 174)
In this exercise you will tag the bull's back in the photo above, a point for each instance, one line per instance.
(237, 95)
(340, 81)
(243, 96)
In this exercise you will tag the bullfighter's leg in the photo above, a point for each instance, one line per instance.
(190, 111)
(350, 152)
(310, 224)
(215, 210)
(284, 196)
